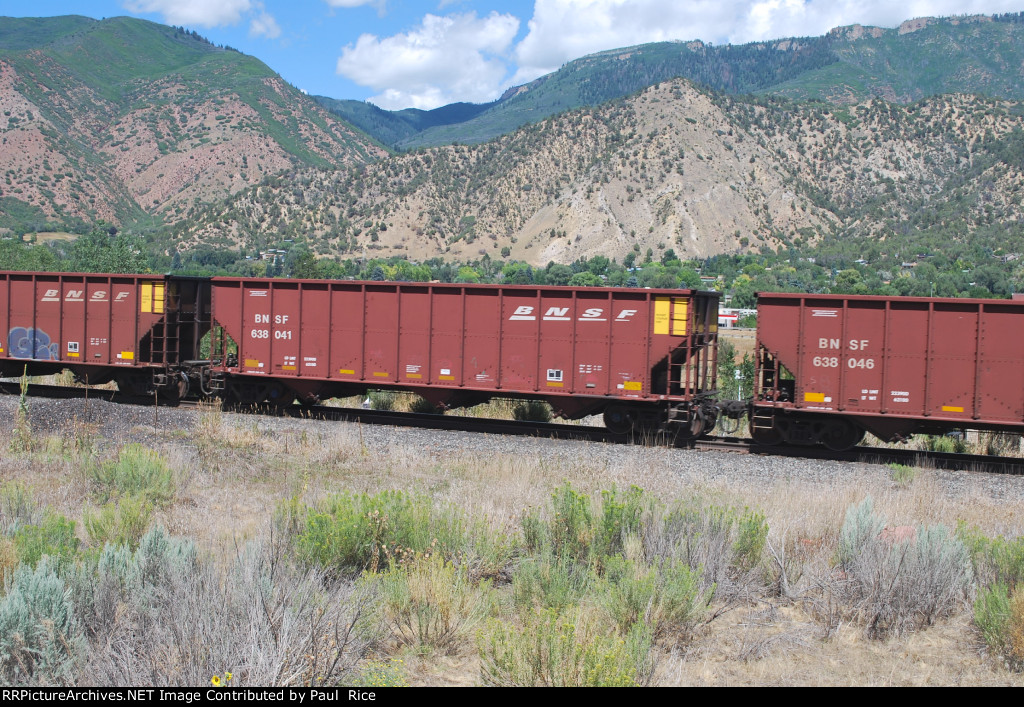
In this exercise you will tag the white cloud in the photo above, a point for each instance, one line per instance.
(202, 13)
(445, 59)
(381, 5)
(211, 13)
(563, 30)
(264, 25)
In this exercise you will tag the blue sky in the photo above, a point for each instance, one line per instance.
(427, 53)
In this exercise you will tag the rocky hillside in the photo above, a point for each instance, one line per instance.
(128, 121)
(674, 167)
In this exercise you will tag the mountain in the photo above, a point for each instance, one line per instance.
(924, 57)
(677, 166)
(134, 122)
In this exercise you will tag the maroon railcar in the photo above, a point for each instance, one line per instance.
(128, 327)
(643, 357)
(830, 367)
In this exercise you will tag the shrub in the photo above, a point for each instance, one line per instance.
(39, 637)
(137, 471)
(549, 582)
(431, 604)
(532, 411)
(667, 596)
(899, 585)
(360, 531)
(424, 406)
(382, 400)
(995, 559)
(121, 523)
(572, 649)
(54, 536)
(16, 507)
(178, 620)
(902, 474)
(726, 545)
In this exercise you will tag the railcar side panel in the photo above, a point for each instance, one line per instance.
(1002, 371)
(82, 320)
(524, 340)
(935, 362)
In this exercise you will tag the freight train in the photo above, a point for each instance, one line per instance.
(828, 368)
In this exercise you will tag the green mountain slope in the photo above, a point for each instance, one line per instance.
(132, 121)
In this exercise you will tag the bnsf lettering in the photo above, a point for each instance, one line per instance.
(99, 296)
(263, 319)
(121, 296)
(525, 313)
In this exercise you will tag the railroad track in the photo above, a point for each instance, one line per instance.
(737, 445)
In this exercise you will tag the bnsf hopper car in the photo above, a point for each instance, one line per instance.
(645, 359)
(642, 358)
(140, 330)
(830, 368)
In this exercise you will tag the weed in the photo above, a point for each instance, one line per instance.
(548, 582)
(431, 604)
(16, 507)
(136, 471)
(556, 649)
(381, 673)
(532, 411)
(382, 400)
(902, 475)
(666, 596)
(995, 559)
(122, 523)
(54, 536)
(360, 531)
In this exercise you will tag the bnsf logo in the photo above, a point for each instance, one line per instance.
(79, 296)
(526, 313)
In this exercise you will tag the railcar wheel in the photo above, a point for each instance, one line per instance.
(618, 419)
(694, 429)
(841, 435)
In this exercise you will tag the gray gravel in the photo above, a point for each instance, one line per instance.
(118, 424)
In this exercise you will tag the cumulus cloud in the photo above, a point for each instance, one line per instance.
(202, 13)
(563, 30)
(459, 57)
(264, 25)
(207, 13)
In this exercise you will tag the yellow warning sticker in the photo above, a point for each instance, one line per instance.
(632, 385)
(380, 374)
(951, 408)
(128, 355)
(814, 397)
(146, 297)
(346, 372)
(252, 363)
(413, 375)
(662, 311)
(446, 378)
(288, 368)
(553, 384)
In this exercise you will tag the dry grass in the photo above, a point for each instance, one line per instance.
(235, 470)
